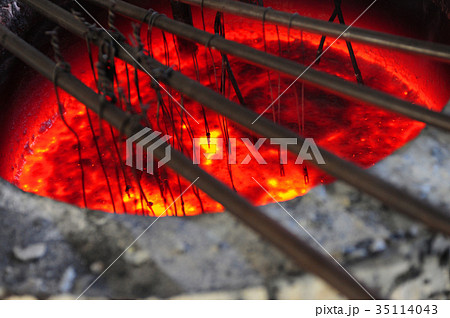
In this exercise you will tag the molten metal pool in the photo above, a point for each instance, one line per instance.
(48, 162)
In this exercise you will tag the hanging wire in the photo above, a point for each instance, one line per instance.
(105, 88)
(219, 29)
(62, 66)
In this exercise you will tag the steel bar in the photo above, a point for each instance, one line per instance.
(436, 51)
(304, 255)
(400, 200)
(293, 69)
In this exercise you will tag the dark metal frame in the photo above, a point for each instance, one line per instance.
(293, 69)
(304, 255)
(432, 50)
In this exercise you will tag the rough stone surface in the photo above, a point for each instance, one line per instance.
(67, 280)
(31, 252)
(214, 256)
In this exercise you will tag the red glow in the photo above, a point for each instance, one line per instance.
(360, 133)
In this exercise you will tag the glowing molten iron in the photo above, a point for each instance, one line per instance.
(360, 133)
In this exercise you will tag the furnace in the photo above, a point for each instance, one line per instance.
(232, 71)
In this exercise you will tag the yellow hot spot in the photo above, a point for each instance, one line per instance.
(287, 195)
(272, 182)
(128, 198)
(190, 209)
(215, 133)
(159, 210)
(209, 149)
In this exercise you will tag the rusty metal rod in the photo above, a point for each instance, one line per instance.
(435, 51)
(303, 254)
(396, 198)
(293, 69)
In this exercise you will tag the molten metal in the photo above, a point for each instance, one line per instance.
(49, 164)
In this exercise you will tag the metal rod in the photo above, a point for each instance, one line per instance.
(436, 51)
(293, 69)
(303, 254)
(398, 199)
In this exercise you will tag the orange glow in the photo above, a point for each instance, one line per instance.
(357, 132)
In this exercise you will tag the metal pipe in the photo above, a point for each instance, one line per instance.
(293, 69)
(335, 166)
(436, 51)
(304, 255)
